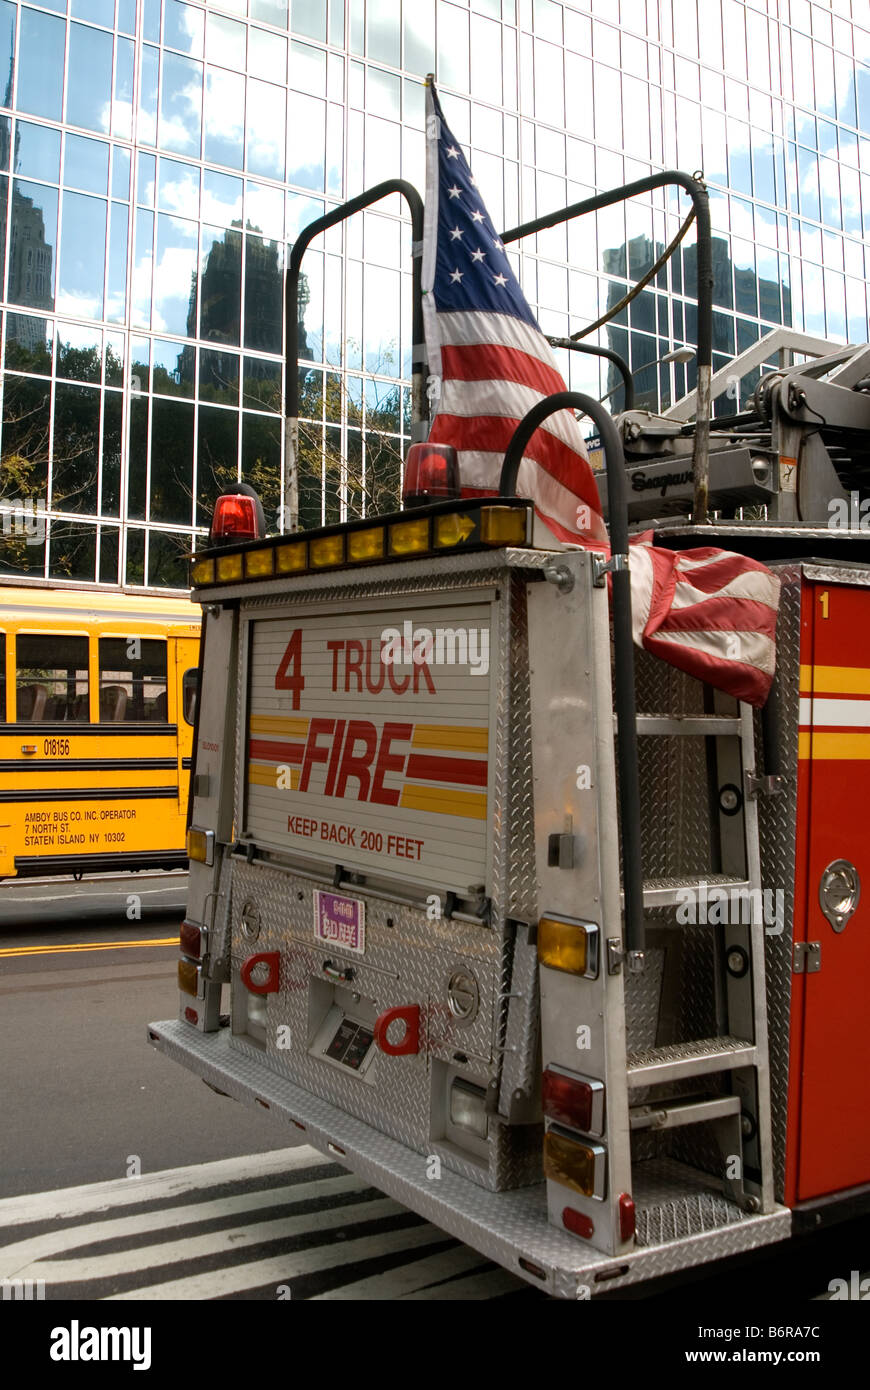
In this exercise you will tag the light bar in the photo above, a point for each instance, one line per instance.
(460, 526)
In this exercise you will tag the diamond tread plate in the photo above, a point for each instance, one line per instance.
(505, 1227)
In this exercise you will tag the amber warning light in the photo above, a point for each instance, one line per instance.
(431, 474)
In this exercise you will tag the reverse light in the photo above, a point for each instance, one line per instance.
(431, 474)
(190, 940)
(237, 516)
(468, 1108)
(576, 1101)
(326, 551)
(367, 544)
(568, 946)
(574, 1164)
(200, 845)
(409, 537)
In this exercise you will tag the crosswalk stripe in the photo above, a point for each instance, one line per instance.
(407, 1278)
(142, 1258)
(26, 1253)
(169, 1182)
(487, 1283)
(283, 1269)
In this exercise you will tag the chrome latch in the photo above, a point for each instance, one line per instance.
(763, 786)
(806, 957)
(601, 568)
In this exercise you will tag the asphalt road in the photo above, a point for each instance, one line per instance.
(83, 1092)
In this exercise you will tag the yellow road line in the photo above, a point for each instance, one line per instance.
(86, 946)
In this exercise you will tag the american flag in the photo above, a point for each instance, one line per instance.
(708, 612)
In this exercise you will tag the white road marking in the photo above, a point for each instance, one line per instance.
(170, 1182)
(426, 1269)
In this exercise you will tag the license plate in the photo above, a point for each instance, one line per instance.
(340, 922)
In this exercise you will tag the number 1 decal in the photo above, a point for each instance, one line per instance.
(289, 674)
(824, 596)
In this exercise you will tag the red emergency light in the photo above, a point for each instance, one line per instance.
(238, 516)
(431, 474)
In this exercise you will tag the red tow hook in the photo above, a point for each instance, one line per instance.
(410, 1041)
(272, 959)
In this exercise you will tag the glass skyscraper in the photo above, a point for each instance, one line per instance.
(158, 157)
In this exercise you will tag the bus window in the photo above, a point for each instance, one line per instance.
(2, 677)
(132, 680)
(189, 689)
(51, 679)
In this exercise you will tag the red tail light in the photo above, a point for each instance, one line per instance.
(431, 474)
(577, 1222)
(190, 940)
(574, 1101)
(626, 1216)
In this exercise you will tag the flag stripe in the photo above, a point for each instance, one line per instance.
(492, 362)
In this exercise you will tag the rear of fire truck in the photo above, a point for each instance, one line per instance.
(405, 930)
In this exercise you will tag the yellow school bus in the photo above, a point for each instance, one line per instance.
(97, 703)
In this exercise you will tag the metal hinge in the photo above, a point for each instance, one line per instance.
(806, 957)
(763, 786)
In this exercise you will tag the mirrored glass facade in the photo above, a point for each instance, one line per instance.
(158, 158)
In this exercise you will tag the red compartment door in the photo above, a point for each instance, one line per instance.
(833, 1149)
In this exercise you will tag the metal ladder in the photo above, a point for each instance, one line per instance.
(728, 903)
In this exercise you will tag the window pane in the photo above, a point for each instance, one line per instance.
(51, 678)
(25, 433)
(172, 461)
(146, 125)
(225, 42)
(79, 354)
(182, 28)
(89, 86)
(189, 691)
(111, 469)
(7, 48)
(225, 118)
(179, 188)
(181, 105)
(261, 461)
(97, 11)
(221, 285)
(267, 122)
(83, 256)
(217, 457)
(76, 448)
(34, 244)
(29, 343)
(132, 680)
(40, 64)
(37, 151)
(221, 198)
(173, 369)
(122, 110)
(174, 308)
(219, 377)
(86, 164)
(263, 294)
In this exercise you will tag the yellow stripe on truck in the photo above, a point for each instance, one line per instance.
(453, 738)
(279, 724)
(266, 775)
(440, 802)
(835, 680)
(827, 747)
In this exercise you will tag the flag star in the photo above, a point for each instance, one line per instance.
(456, 234)
(454, 191)
(500, 279)
(456, 276)
(453, 152)
(477, 216)
(477, 255)
(499, 245)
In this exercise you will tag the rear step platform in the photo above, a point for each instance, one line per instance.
(677, 1208)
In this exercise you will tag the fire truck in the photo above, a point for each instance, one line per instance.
(562, 948)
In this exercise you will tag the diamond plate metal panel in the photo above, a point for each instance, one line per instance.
(777, 816)
(507, 1227)
(408, 958)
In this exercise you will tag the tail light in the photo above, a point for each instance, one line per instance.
(238, 516)
(576, 1101)
(575, 1165)
(626, 1216)
(190, 940)
(431, 474)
